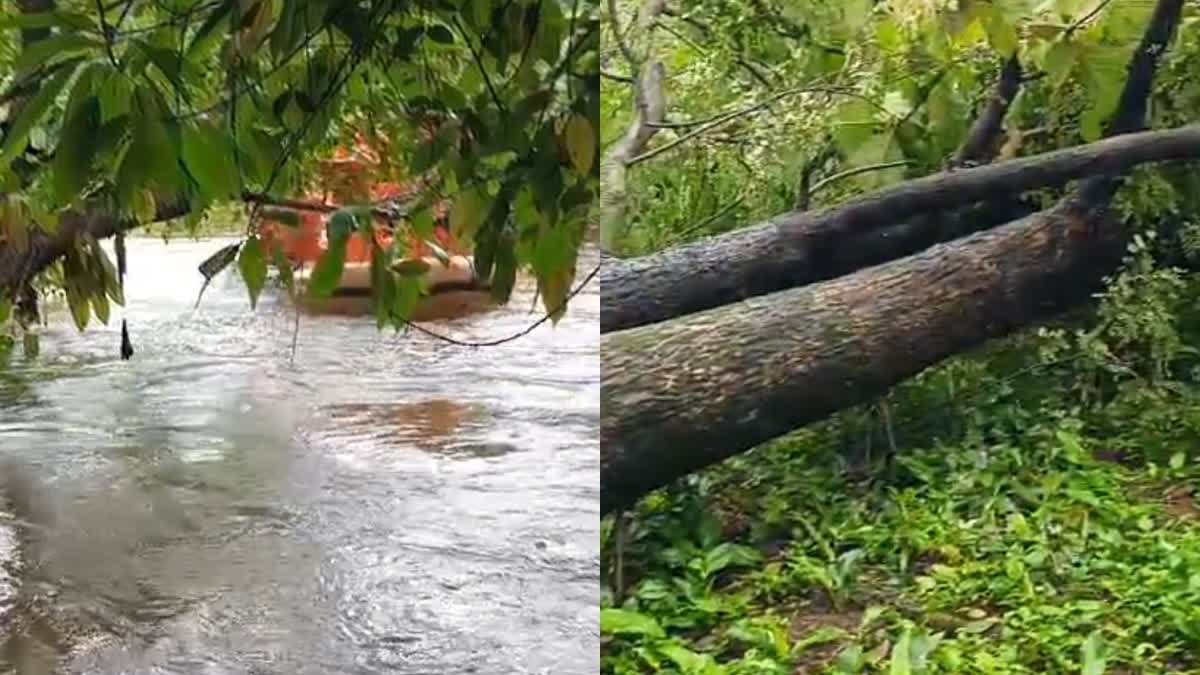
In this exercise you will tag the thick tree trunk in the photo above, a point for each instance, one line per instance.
(681, 395)
(796, 248)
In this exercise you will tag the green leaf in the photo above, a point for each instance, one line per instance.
(286, 273)
(855, 14)
(152, 159)
(5, 311)
(504, 276)
(44, 51)
(208, 30)
(481, 12)
(421, 221)
(209, 159)
(252, 263)
(580, 139)
(408, 294)
(31, 114)
(624, 622)
(850, 660)
(166, 61)
(468, 212)
(689, 662)
(289, 30)
(100, 307)
(1094, 654)
(1059, 61)
(901, 663)
(76, 149)
(1102, 71)
(383, 285)
(341, 224)
(114, 93)
(1002, 34)
(327, 273)
(72, 20)
(78, 302)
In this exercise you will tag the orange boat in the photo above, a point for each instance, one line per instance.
(454, 290)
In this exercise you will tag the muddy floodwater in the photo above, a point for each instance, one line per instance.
(381, 504)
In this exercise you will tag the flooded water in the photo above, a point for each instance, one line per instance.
(383, 504)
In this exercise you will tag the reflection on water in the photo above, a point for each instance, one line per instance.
(384, 504)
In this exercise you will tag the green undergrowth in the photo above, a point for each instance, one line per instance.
(1026, 509)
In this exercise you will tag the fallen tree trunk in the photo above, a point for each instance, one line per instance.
(681, 395)
(795, 248)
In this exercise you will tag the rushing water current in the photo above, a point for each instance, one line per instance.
(381, 503)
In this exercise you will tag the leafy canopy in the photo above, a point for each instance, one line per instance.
(152, 110)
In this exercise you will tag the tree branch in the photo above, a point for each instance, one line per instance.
(781, 253)
(650, 105)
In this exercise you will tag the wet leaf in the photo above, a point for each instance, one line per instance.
(252, 263)
(286, 273)
(555, 289)
(214, 264)
(327, 273)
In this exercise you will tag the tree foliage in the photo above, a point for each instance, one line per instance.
(772, 97)
(157, 110)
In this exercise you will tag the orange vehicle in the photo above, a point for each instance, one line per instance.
(348, 178)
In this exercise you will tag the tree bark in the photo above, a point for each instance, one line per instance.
(793, 249)
(649, 109)
(979, 145)
(681, 395)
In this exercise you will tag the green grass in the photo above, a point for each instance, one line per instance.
(975, 558)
